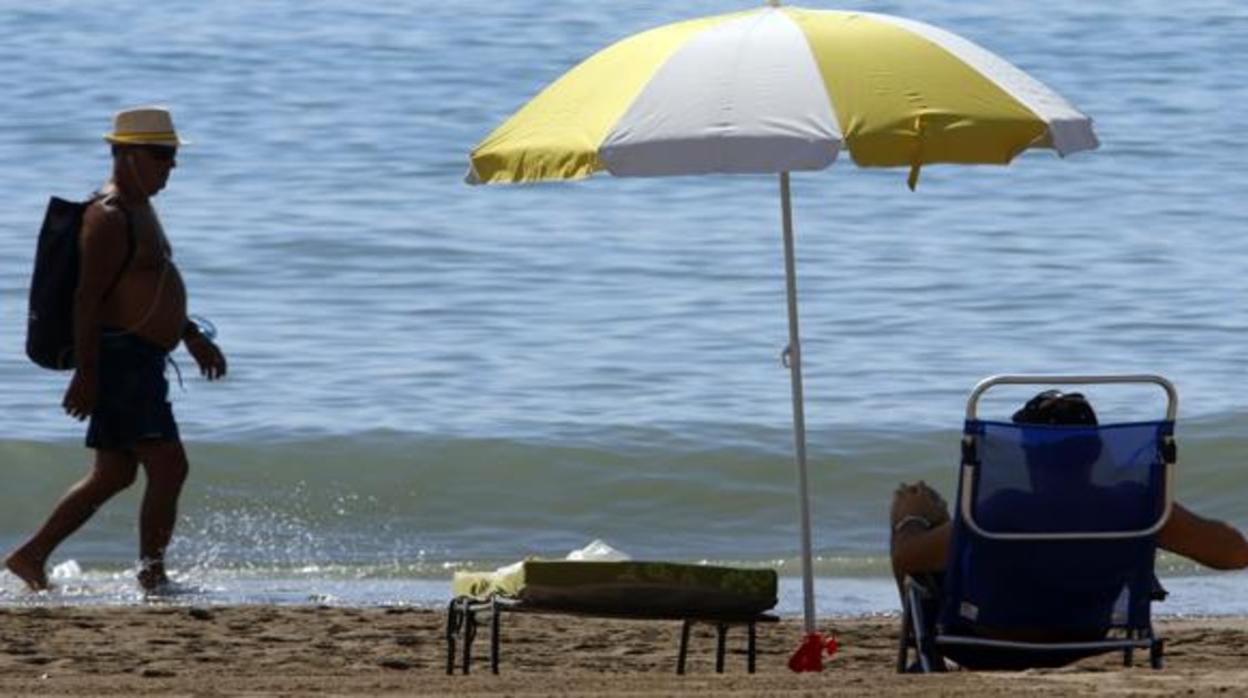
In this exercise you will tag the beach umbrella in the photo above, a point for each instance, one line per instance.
(779, 90)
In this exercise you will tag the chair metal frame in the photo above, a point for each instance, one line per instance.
(968, 448)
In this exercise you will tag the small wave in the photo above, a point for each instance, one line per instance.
(396, 504)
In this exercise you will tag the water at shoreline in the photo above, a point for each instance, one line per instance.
(1198, 595)
(426, 375)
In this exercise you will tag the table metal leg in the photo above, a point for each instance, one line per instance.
(751, 648)
(721, 635)
(470, 633)
(684, 647)
(495, 623)
(452, 628)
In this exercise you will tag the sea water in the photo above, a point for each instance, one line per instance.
(426, 376)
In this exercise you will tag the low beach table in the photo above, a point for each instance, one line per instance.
(632, 590)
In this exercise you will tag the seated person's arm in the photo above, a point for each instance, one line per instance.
(922, 551)
(921, 530)
(1210, 542)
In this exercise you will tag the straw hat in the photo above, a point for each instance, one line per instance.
(144, 126)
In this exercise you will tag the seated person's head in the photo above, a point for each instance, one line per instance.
(1067, 455)
(1056, 407)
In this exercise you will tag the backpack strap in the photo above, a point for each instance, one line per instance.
(131, 245)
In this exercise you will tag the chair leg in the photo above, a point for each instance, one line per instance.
(916, 626)
(1157, 653)
(924, 648)
(684, 646)
(721, 636)
(751, 647)
(903, 642)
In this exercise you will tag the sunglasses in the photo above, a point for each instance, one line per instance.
(161, 153)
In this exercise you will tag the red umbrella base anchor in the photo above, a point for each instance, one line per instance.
(809, 655)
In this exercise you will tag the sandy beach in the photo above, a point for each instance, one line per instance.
(266, 650)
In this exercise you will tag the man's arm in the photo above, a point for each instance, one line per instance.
(102, 251)
(207, 354)
(1210, 542)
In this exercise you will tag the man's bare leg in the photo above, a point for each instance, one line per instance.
(112, 472)
(166, 467)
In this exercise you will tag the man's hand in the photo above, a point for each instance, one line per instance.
(210, 359)
(81, 394)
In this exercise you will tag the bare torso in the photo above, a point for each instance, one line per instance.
(150, 297)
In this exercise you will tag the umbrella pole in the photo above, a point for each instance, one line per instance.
(794, 354)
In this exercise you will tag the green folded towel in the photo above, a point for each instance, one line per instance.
(626, 588)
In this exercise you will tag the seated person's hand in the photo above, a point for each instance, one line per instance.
(919, 500)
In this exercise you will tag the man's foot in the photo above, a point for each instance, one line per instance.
(28, 570)
(152, 576)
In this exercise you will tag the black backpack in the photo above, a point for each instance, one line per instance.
(50, 323)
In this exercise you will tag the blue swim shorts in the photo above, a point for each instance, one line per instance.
(133, 399)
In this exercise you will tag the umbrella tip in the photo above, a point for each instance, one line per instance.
(913, 180)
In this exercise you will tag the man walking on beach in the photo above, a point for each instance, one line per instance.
(129, 313)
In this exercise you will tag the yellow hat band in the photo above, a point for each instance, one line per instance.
(143, 137)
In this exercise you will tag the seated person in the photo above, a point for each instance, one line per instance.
(921, 526)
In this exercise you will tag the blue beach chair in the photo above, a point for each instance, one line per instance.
(1053, 542)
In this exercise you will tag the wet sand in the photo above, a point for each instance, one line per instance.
(351, 651)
